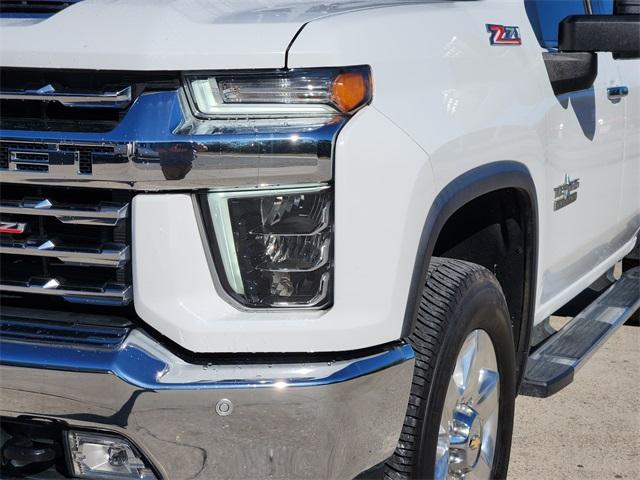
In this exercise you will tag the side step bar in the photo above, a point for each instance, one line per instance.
(553, 365)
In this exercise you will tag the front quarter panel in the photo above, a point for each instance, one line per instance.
(437, 76)
(382, 191)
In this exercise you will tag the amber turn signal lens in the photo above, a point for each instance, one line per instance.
(350, 90)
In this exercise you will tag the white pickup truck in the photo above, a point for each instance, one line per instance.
(286, 239)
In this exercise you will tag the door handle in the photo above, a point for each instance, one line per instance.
(617, 93)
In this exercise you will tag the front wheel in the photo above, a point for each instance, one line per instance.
(459, 419)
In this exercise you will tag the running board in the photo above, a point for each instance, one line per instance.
(553, 365)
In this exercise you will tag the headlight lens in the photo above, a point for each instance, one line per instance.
(275, 247)
(282, 93)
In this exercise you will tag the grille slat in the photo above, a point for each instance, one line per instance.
(30, 167)
(27, 325)
(104, 213)
(106, 254)
(65, 234)
(108, 293)
(16, 331)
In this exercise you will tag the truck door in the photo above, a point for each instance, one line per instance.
(629, 69)
(585, 139)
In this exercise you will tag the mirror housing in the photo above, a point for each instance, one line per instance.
(570, 72)
(618, 34)
(625, 7)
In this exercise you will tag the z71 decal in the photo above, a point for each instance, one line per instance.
(504, 35)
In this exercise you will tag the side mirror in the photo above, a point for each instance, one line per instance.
(618, 34)
(570, 72)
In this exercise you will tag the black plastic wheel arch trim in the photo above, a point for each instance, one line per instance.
(470, 185)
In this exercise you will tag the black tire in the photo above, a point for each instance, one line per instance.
(458, 297)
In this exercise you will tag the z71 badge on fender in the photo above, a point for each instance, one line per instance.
(504, 35)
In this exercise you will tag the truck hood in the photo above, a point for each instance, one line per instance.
(165, 34)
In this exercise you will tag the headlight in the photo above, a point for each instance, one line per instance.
(282, 93)
(273, 248)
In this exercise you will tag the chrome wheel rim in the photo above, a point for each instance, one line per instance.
(469, 421)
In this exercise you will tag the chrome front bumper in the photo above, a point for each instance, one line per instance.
(328, 419)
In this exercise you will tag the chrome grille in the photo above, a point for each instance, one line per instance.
(68, 243)
(57, 100)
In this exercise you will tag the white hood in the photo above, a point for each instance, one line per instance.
(165, 34)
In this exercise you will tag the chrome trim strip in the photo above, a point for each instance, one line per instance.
(106, 254)
(102, 214)
(108, 294)
(156, 368)
(71, 99)
(160, 145)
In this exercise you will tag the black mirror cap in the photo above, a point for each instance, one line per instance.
(570, 72)
(618, 34)
(625, 7)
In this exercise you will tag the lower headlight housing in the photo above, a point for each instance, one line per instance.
(273, 248)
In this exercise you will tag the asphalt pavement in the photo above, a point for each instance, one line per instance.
(589, 430)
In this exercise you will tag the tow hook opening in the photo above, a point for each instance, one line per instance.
(31, 446)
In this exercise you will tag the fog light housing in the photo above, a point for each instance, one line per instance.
(99, 456)
(273, 248)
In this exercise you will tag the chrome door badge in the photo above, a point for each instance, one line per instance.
(566, 193)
